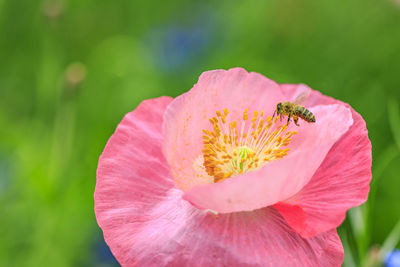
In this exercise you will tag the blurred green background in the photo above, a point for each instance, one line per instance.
(70, 70)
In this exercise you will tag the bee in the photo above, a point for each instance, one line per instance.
(295, 110)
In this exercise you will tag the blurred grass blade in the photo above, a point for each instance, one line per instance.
(384, 159)
(352, 242)
(391, 241)
(394, 120)
(348, 255)
(380, 164)
(357, 221)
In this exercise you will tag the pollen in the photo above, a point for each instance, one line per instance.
(233, 148)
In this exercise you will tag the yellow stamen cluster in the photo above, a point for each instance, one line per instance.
(229, 151)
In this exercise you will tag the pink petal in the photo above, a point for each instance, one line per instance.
(132, 173)
(280, 179)
(341, 182)
(174, 233)
(188, 115)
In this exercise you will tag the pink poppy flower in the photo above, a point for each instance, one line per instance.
(210, 179)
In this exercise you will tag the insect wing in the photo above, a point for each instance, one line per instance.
(302, 97)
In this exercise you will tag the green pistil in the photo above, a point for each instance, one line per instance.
(244, 154)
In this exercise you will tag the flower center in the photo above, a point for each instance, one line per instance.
(228, 151)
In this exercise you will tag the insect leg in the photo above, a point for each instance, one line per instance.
(288, 119)
(296, 119)
(274, 113)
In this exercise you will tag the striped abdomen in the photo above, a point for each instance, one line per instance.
(304, 113)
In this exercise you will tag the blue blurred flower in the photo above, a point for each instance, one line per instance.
(393, 259)
(104, 256)
(177, 46)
